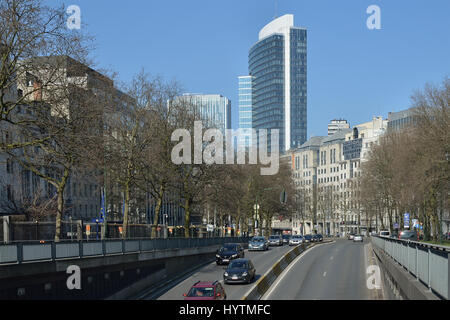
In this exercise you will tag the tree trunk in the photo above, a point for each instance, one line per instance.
(157, 209)
(59, 214)
(187, 217)
(126, 210)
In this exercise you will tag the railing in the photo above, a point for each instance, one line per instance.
(427, 263)
(26, 252)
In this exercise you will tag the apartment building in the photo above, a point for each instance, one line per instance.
(325, 171)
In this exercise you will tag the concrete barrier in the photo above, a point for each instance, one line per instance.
(407, 286)
(263, 284)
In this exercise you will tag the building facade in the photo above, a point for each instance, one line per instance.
(336, 125)
(215, 109)
(326, 172)
(245, 110)
(278, 65)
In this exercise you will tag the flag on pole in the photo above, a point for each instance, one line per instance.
(103, 209)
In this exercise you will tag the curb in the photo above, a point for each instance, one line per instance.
(263, 284)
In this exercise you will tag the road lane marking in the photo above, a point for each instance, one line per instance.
(286, 271)
(331, 258)
(325, 274)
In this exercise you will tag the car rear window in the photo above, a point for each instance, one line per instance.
(201, 292)
(238, 265)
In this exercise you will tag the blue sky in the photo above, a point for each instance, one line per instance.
(353, 72)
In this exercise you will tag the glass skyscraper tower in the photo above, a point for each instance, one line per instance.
(245, 110)
(213, 108)
(277, 64)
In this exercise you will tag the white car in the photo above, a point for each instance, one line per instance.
(296, 240)
(357, 238)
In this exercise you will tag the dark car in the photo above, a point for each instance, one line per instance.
(275, 240)
(408, 235)
(308, 238)
(317, 237)
(239, 271)
(228, 252)
(258, 243)
(286, 238)
(211, 290)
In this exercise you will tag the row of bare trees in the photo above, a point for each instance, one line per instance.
(409, 170)
(61, 120)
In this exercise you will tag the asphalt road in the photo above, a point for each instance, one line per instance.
(263, 261)
(335, 271)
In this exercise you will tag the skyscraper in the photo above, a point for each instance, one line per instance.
(214, 108)
(245, 110)
(277, 63)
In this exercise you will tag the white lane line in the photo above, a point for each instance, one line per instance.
(286, 271)
(331, 258)
(325, 274)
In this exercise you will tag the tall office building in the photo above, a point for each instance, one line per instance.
(277, 63)
(214, 108)
(245, 110)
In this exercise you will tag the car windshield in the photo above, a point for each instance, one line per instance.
(296, 237)
(201, 292)
(238, 265)
(274, 237)
(258, 239)
(286, 236)
(228, 247)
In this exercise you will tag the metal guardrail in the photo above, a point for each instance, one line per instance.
(426, 262)
(17, 253)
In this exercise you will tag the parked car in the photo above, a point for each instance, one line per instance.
(350, 236)
(239, 271)
(275, 240)
(286, 238)
(211, 290)
(258, 243)
(358, 238)
(228, 252)
(296, 240)
(308, 238)
(409, 235)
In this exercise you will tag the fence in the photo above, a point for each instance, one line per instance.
(428, 263)
(16, 253)
(76, 230)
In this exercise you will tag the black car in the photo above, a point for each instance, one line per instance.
(239, 271)
(408, 235)
(308, 238)
(228, 252)
(317, 237)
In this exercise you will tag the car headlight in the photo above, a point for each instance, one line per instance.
(244, 274)
(217, 256)
(226, 274)
(234, 256)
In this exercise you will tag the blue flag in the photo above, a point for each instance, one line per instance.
(103, 209)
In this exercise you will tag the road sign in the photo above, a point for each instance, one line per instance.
(396, 225)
